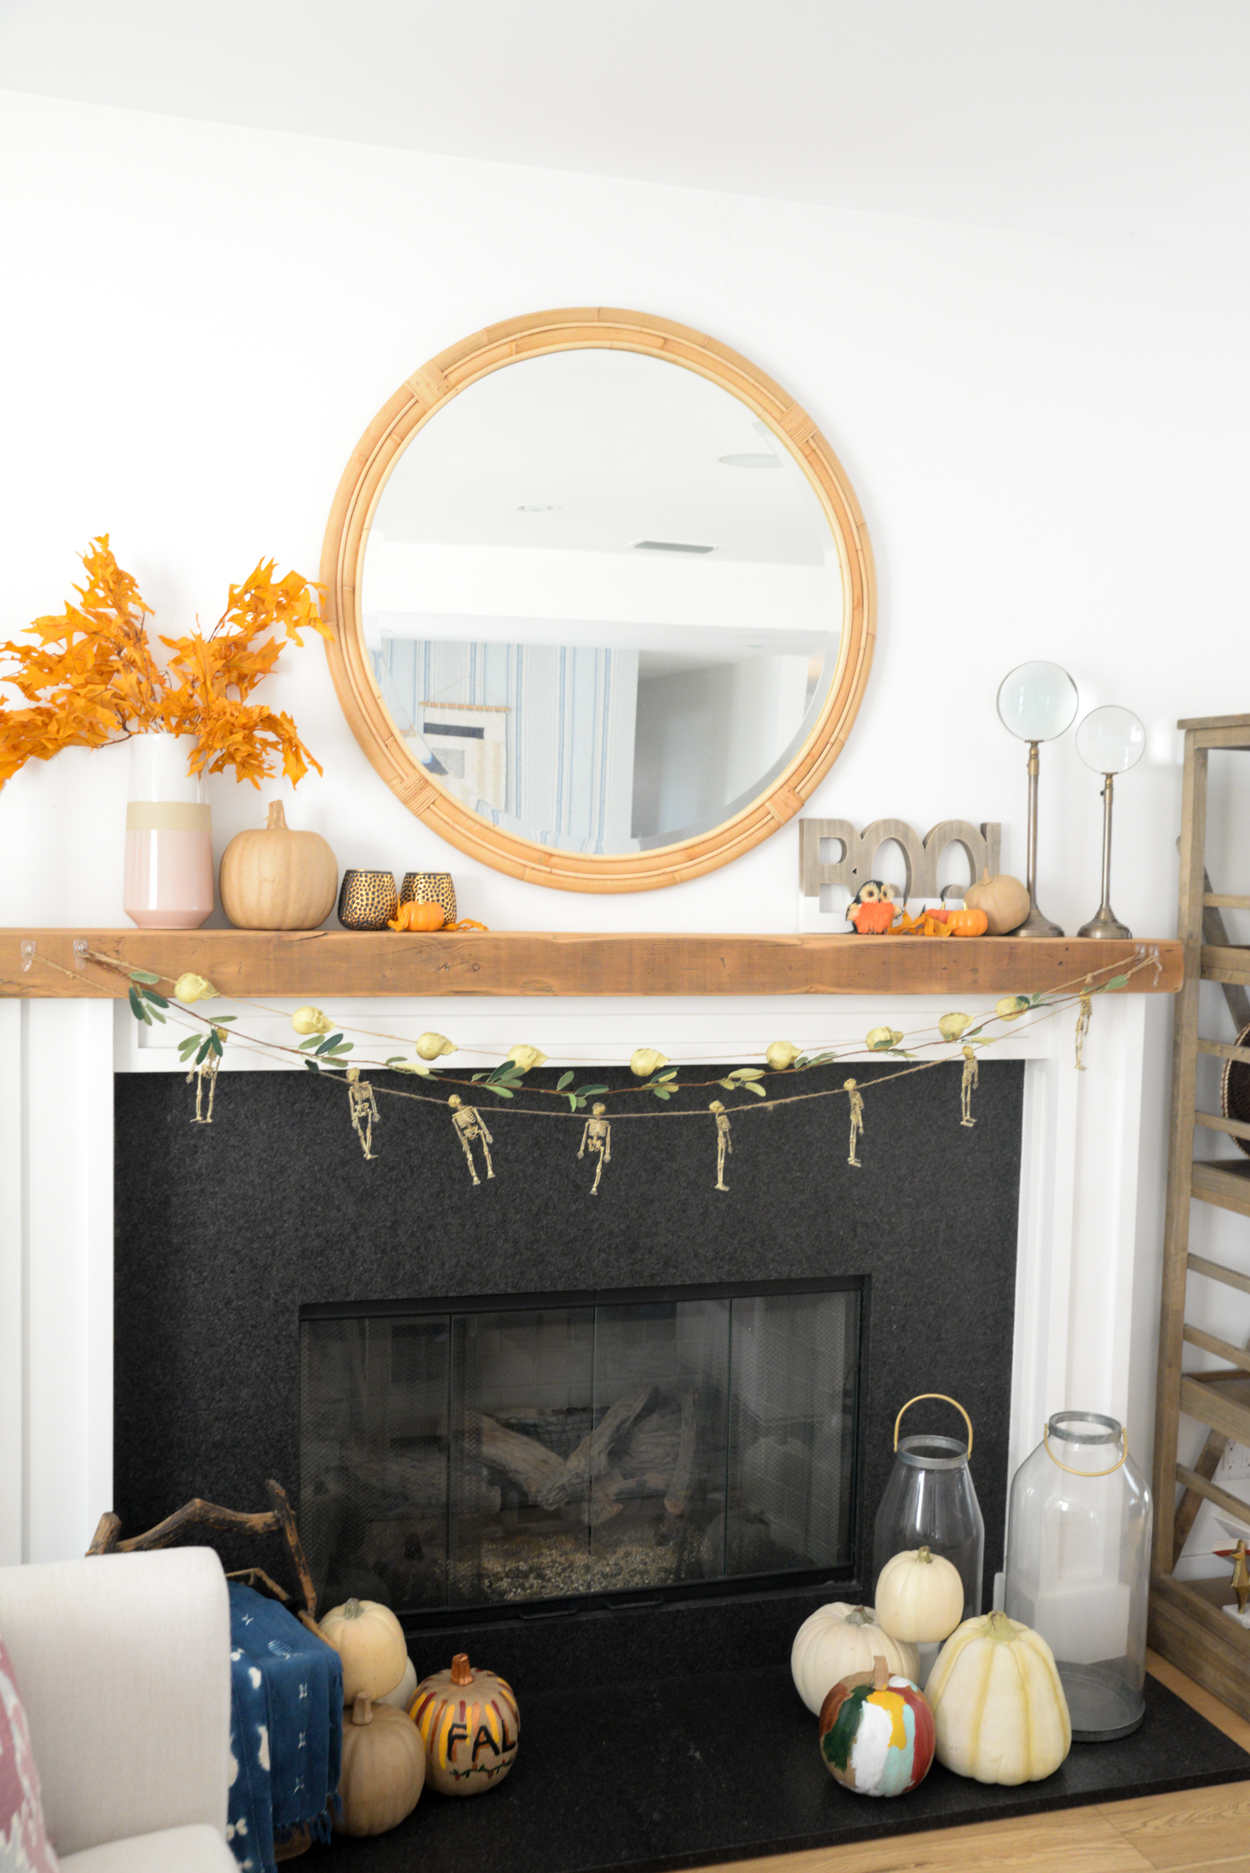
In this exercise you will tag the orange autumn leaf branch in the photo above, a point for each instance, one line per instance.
(91, 677)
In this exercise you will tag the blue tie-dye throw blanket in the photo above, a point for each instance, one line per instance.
(286, 1727)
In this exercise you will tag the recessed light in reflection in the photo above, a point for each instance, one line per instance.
(750, 459)
(535, 507)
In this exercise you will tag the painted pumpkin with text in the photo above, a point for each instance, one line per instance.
(470, 1726)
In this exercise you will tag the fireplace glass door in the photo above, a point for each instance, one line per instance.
(475, 1456)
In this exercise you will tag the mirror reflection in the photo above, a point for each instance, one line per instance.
(602, 601)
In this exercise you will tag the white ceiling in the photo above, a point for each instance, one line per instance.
(1090, 115)
(614, 448)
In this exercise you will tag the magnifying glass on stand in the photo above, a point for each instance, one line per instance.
(1037, 701)
(1111, 741)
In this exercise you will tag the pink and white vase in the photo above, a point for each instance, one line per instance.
(169, 838)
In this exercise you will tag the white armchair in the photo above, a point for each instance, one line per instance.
(122, 1662)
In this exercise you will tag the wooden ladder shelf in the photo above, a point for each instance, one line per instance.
(1187, 1623)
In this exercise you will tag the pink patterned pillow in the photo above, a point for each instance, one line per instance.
(24, 1845)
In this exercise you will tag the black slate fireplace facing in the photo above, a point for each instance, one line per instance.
(654, 1736)
(225, 1232)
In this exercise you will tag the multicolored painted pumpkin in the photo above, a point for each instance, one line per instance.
(876, 1733)
(470, 1726)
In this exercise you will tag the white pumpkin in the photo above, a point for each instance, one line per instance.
(836, 1642)
(920, 1597)
(401, 1696)
(370, 1641)
(998, 1704)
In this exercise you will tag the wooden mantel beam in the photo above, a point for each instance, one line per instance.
(520, 962)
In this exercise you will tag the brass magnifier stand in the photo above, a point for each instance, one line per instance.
(1110, 740)
(1037, 701)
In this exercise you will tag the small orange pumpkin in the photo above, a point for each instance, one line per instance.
(967, 923)
(427, 916)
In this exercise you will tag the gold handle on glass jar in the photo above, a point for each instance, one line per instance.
(1092, 1473)
(946, 1400)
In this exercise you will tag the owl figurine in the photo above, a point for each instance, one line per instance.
(874, 907)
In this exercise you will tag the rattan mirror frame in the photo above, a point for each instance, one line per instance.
(414, 404)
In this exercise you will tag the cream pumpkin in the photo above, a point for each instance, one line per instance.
(383, 1770)
(920, 1596)
(370, 1641)
(277, 879)
(1004, 900)
(998, 1703)
(837, 1641)
(401, 1696)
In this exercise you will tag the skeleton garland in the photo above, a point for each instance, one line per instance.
(363, 1105)
(470, 1129)
(597, 1139)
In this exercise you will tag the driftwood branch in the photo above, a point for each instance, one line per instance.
(105, 1538)
(286, 1521)
(197, 1513)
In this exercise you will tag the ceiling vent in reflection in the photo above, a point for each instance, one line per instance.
(670, 546)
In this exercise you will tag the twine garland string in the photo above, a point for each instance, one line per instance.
(472, 1130)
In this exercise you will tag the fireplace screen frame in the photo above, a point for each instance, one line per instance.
(845, 1574)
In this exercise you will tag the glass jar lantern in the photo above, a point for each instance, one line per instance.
(1078, 1567)
(930, 1502)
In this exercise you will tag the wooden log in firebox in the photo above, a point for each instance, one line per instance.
(522, 1459)
(677, 1494)
(594, 1454)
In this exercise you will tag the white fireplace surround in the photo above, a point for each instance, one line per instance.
(1089, 1232)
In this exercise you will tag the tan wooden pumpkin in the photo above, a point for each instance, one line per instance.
(1004, 900)
(383, 1769)
(998, 1703)
(277, 879)
(920, 1596)
(838, 1640)
(370, 1641)
(470, 1726)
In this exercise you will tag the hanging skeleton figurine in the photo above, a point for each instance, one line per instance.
(851, 1088)
(363, 1104)
(1083, 1017)
(597, 1139)
(469, 1125)
(972, 1073)
(207, 1070)
(724, 1143)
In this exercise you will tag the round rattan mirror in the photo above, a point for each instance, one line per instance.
(602, 600)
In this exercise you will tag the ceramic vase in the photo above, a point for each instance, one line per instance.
(169, 839)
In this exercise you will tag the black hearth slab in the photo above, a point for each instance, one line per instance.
(688, 1772)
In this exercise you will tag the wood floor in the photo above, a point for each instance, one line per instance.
(1206, 1830)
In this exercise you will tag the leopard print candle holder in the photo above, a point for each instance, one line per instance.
(430, 887)
(367, 900)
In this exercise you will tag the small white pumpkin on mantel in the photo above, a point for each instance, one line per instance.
(920, 1597)
(837, 1641)
(998, 1703)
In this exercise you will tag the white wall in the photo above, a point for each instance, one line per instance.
(1048, 437)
